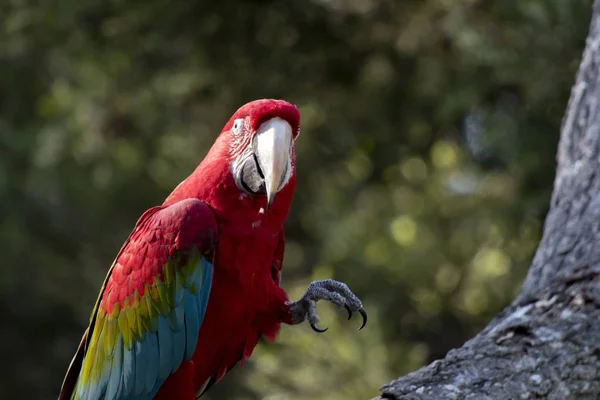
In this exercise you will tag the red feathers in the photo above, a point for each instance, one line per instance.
(260, 111)
(178, 225)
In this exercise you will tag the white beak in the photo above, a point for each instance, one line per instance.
(272, 147)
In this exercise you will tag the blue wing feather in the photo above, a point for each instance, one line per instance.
(142, 351)
(151, 372)
(114, 385)
(128, 372)
(192, 324)
(178, 344)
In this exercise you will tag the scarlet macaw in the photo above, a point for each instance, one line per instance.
(197, 281)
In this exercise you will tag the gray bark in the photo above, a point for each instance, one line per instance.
(546, 344)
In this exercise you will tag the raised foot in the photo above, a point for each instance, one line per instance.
(336, 292)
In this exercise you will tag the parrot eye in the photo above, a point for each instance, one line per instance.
(237, 126)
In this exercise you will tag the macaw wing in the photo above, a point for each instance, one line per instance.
(151, 306)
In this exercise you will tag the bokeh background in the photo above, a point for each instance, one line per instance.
(425, 164)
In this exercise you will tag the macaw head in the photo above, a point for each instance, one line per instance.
(261, 136)
(251, 163)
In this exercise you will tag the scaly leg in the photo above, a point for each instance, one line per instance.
(336, 292)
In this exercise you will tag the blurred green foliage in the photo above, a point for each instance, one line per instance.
(425, 164)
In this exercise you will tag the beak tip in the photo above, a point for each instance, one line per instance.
(270, 199)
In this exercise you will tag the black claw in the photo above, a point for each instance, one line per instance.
(349, 310)
(316, 328)
(363, 313)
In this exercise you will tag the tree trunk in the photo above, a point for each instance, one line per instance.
(546, 344)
